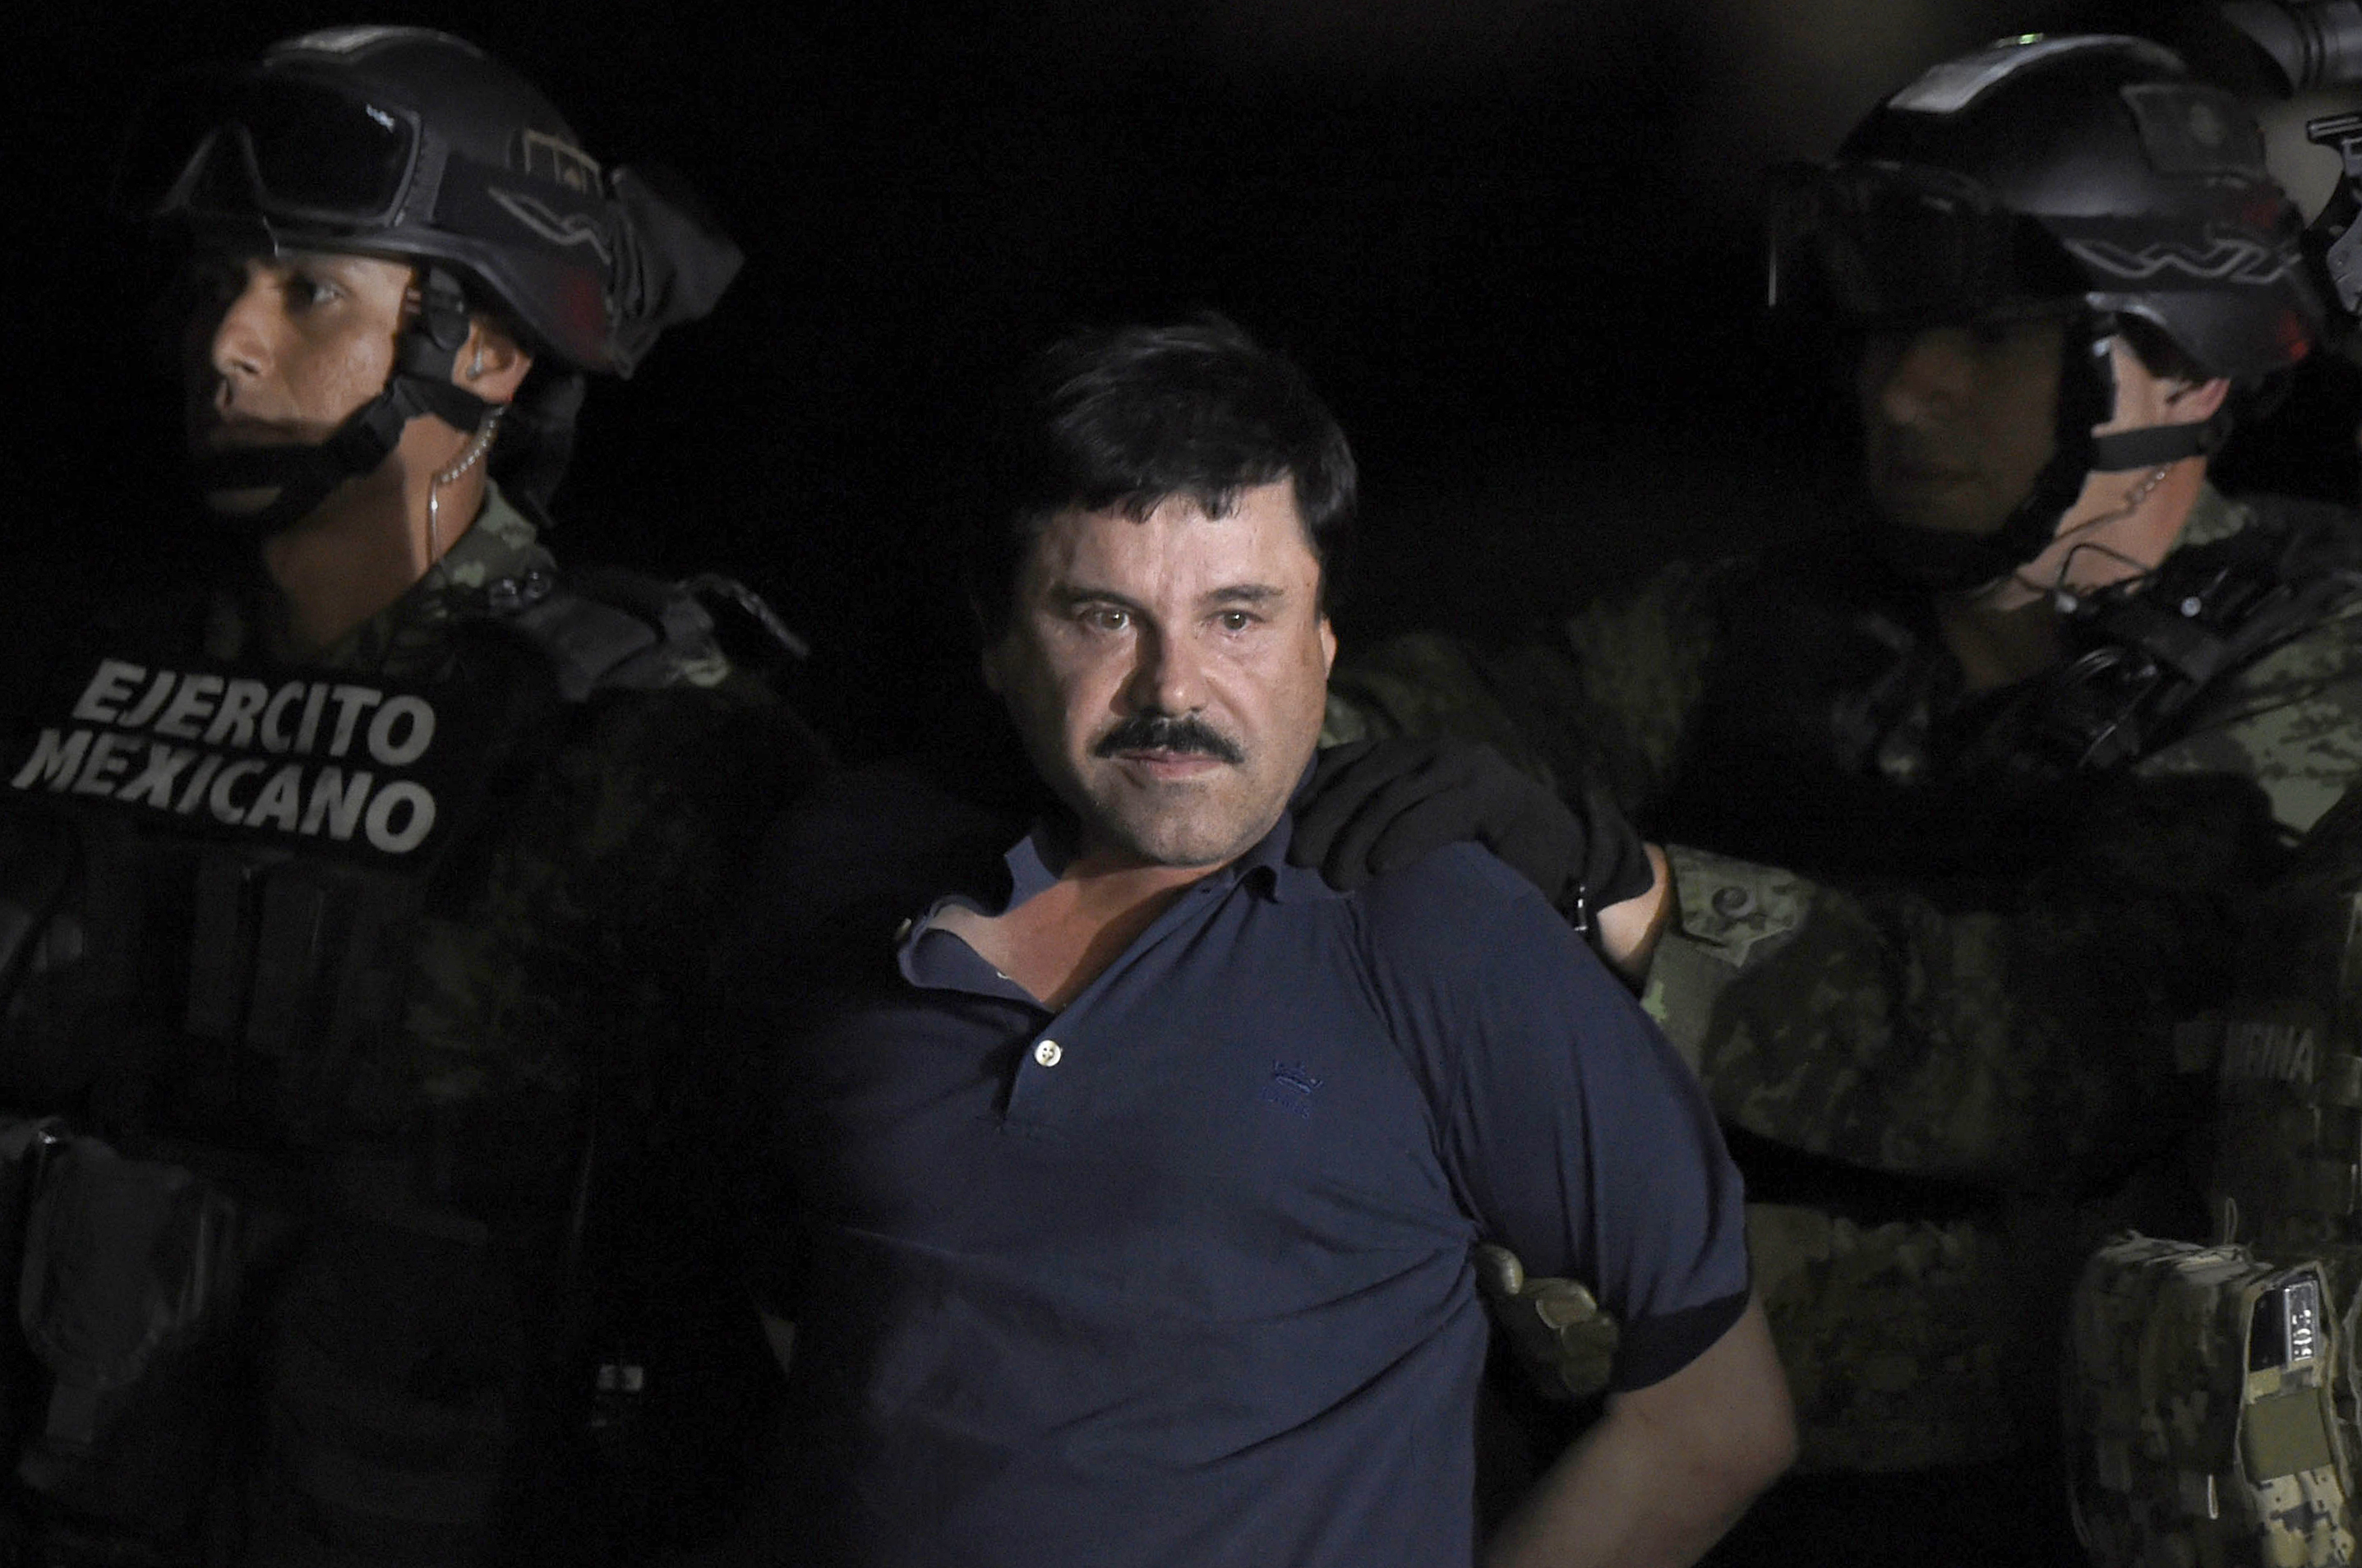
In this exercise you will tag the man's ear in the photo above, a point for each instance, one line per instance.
(492, 363)
(1328, 646)
(2191, 402)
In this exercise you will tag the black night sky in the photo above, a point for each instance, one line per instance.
(1513, 240)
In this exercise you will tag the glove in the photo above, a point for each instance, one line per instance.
(1374, 805)
(1561, 1335)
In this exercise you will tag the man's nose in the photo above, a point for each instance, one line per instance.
(1170, 677)
(1924, 376)
(244, 338)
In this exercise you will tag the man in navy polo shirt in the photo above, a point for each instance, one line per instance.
(1130, 1173)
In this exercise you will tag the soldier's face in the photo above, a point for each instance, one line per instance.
(279, 349)
(1169, 674)
(1958, 420)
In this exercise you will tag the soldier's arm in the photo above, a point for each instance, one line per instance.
(2011, 1031)
(1604, 699)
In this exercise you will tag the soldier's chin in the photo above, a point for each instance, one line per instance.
(242, 502)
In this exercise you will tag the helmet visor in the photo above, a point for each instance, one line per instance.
(1888, 243)
(287, 148)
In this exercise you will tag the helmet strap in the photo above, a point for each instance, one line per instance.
(2154, 446)
(421, 383)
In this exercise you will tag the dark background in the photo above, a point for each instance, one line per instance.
(1515, 241)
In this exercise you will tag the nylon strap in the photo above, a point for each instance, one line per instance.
(2155, 445)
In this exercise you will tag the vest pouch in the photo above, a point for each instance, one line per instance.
(386, 1384)
(127, 1265)
(2199, 1418)
(25, 1147)
(38, 857)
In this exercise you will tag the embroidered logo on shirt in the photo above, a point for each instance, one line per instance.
(1290, 1088)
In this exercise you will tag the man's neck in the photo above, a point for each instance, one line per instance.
(2015, 630)
(1057, 942)
(362, 549)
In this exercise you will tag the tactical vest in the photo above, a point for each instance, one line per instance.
(1833, 739)
(2198, 1410)
(214, 883)
(2165, 1363)
(2145, 652)
(1831, 680)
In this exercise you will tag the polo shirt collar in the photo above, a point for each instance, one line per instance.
(1033, 862)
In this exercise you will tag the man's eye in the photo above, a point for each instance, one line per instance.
(305, 289)
(1105, 618)
(1992, 332)
(1235, 620)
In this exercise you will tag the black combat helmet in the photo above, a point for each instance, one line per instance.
(417, 146)
(2089, 173)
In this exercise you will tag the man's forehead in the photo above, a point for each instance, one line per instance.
(1263, 522)
(242, 250)
(1193, 506)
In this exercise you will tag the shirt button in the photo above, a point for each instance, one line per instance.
(1048, 1052)
(1733, 903)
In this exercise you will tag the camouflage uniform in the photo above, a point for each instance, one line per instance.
(1916, 986)
(2210, 1407)
(378, 1132)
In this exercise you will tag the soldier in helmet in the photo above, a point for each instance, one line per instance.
(1956, 799)
(352, 905)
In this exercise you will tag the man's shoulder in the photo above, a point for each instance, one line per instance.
(665, 767)
(1464, 875)
(2216, 517)
(600, 631)
(728, 742)
(2288, 714)
(1460, 921)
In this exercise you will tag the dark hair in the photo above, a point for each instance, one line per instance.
(2158, 354)
(1129, 418)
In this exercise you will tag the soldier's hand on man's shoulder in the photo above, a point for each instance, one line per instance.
(1376, 805)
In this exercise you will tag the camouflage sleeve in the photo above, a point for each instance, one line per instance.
(1607, 699)
(2022, 1038)
(2292, 720)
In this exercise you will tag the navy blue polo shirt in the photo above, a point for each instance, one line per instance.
(1180, 1273)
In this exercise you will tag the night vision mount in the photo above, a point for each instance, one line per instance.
(2305, 45)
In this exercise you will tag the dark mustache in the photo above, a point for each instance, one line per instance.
(1158, 732)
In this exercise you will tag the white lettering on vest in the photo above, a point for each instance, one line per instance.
(113, 682)
(2257, 1048)
(275, 739)
(146, 708)
(191, 708)
(197, 782)
(279, 800)
(225, 809)
(336, 804)
(154, 784)
(309, 730)
(234, 720)
(416, 824)
(55, 760)
(418, 733)
(351, 702)
(98, 775)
